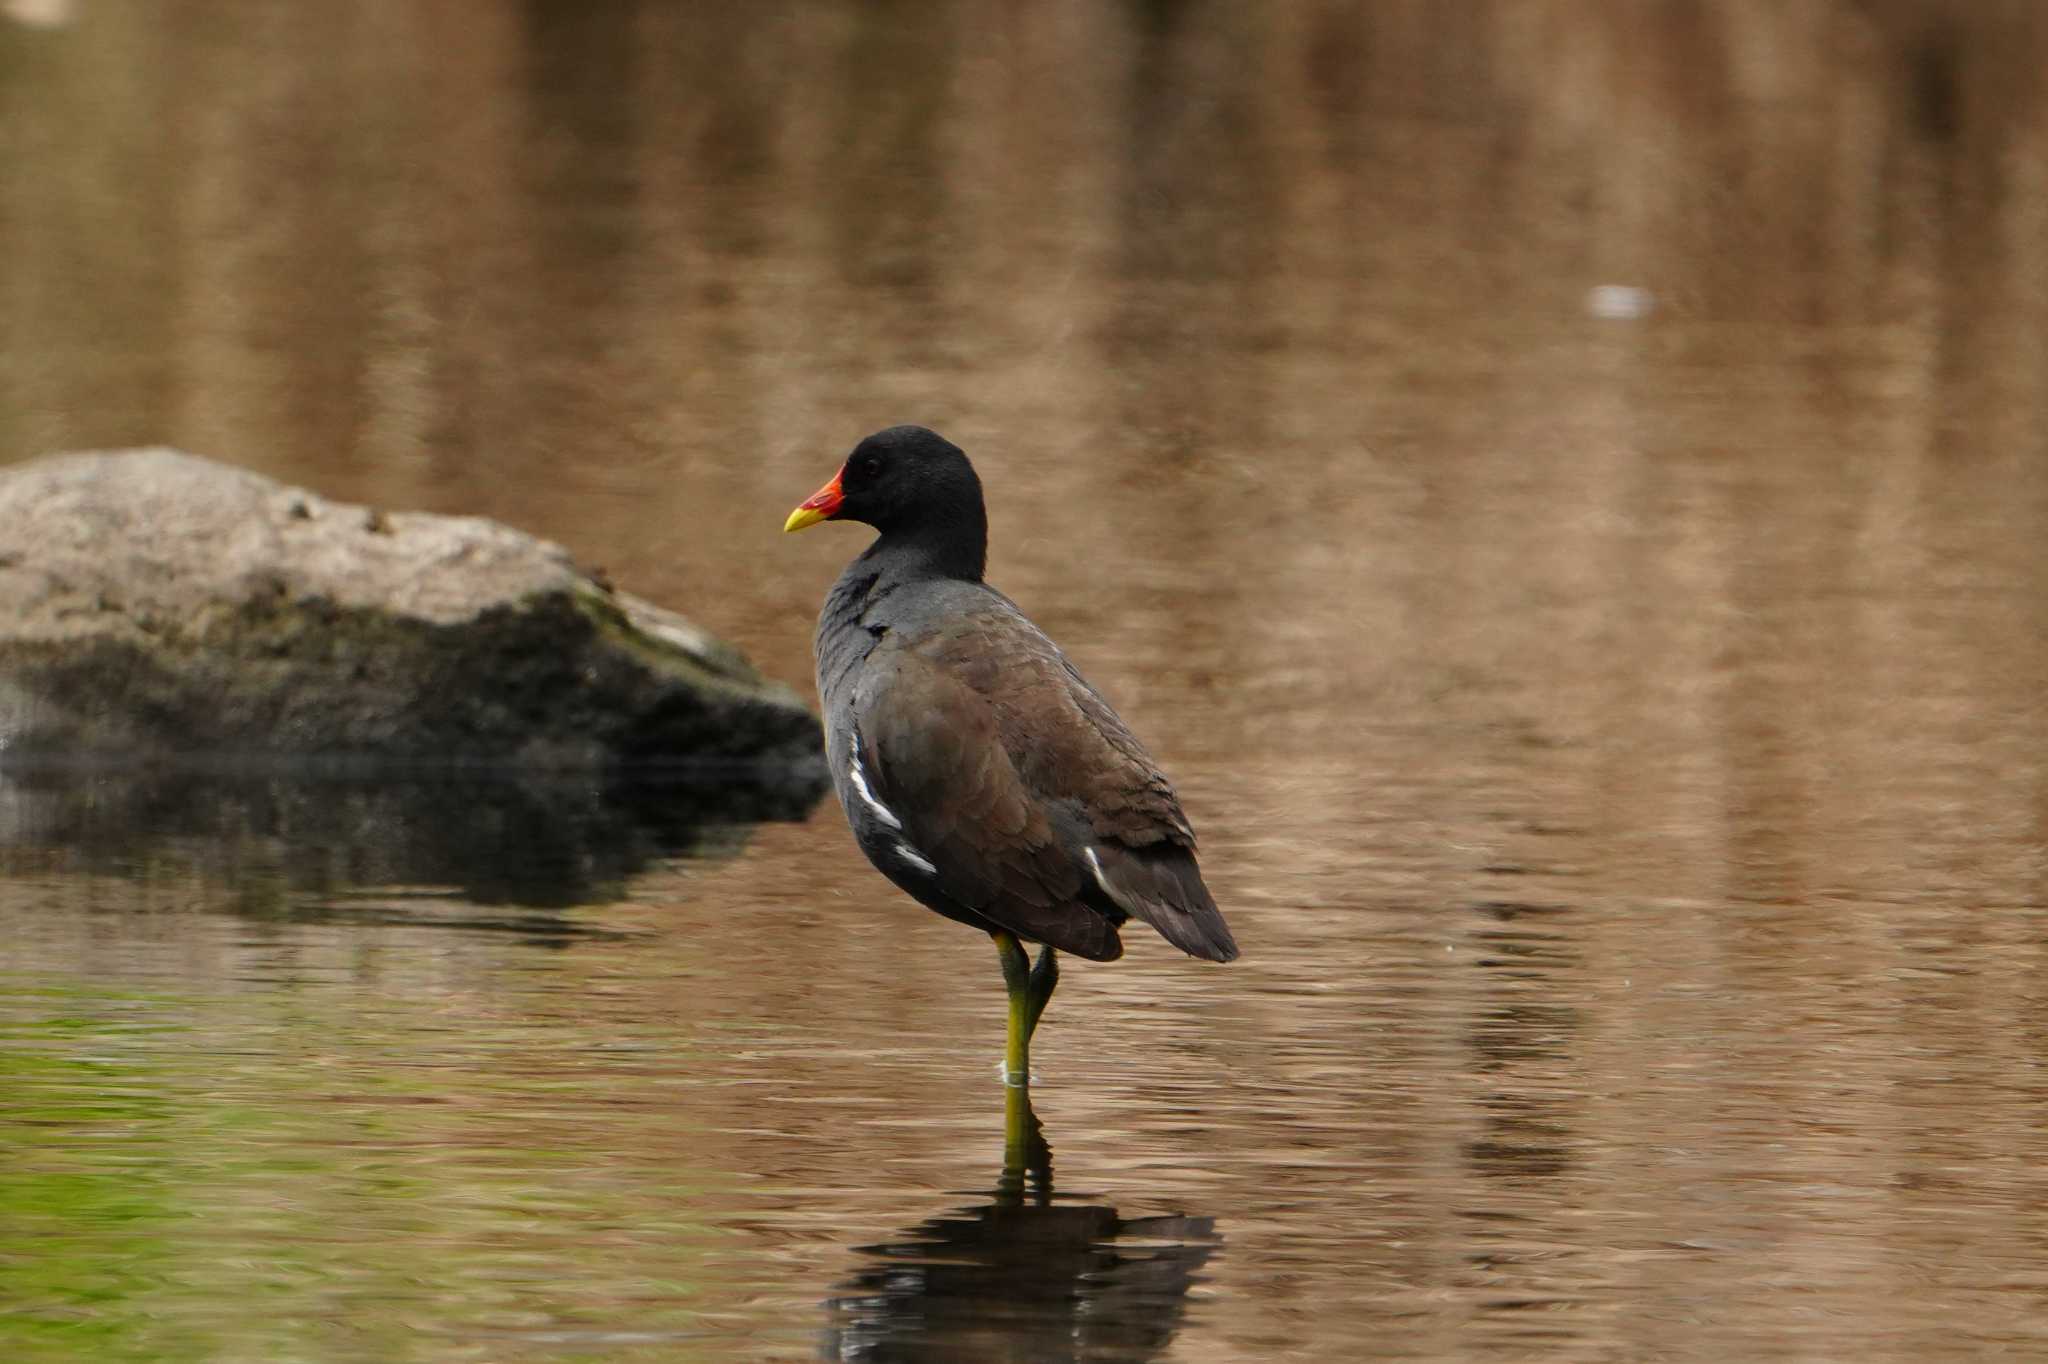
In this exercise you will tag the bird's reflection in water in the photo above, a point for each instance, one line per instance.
(1023, 1276)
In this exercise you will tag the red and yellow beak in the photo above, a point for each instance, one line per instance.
(821, 505)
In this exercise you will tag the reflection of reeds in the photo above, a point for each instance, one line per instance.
(1162, 230)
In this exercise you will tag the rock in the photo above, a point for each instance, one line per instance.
(154, 604)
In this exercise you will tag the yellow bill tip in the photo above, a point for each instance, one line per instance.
(801, 518)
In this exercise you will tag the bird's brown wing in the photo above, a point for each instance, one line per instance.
(1016, 780)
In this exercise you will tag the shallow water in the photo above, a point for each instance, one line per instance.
(1617, 741)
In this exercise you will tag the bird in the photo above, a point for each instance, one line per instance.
(978, 770)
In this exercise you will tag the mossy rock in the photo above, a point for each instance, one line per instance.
(154, 604)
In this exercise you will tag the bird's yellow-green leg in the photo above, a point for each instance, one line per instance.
(1030, 988)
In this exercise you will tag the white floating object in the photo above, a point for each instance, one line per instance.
(1618, 302)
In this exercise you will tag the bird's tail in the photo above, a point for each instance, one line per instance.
(1163, 886)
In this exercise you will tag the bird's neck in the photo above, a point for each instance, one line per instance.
(953, 548)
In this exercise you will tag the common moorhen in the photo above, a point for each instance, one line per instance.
(980, 772)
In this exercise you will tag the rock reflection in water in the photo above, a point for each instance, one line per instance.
(277, 839)
(1024, 1275)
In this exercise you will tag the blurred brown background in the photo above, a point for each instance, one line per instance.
(1561, 485)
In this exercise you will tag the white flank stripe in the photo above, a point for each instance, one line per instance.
(1095, 865)
(904, 851)
(867, 797)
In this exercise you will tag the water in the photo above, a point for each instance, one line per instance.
(1616, 732)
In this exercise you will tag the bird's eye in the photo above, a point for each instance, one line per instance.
(867, 466)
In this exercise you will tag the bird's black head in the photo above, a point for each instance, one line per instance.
(916, 488)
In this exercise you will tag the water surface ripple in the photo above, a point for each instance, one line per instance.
(1561, 486)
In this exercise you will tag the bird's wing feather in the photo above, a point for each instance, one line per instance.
(936, 761)
(1065, 740)
(1037, 806)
